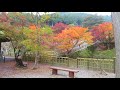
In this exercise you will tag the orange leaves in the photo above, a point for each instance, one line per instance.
(33, 27)
(67, 38)
(104, 27)
(72, 32)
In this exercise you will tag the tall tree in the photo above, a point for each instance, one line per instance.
(37, 36)
(13, 33)
(72, 37)
(116, 24)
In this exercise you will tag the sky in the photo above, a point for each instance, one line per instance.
(98, 13)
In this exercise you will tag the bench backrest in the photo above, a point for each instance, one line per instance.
(64, 69)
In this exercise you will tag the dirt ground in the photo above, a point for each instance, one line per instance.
(8, 70)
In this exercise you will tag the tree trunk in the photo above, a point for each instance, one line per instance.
(116, 25)
(19, 62)
(37, 56)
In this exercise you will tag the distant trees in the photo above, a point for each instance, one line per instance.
(92, 20)
(81, 19)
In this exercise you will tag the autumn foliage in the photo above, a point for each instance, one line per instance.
(72, 37)
(103, 33)
(32, 26)
(58, 27)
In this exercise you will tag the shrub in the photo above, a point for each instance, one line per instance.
(97, 54)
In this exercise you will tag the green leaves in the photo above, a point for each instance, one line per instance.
(46, 30)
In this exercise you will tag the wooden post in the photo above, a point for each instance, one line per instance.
(101, 66)
(53, 59)
(114, 63)
(68, 62)
(77, 62)
(88, 64)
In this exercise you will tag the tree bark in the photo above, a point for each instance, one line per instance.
(37, 56)
(116, 25)
(18, 60)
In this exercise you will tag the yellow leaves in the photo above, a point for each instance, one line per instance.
(65, 46)
(88, 37)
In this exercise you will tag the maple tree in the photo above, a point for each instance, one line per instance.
(72, 37)
(26, 36)
(58, 27)
(103, 33)
(14, 34)
(37, 37)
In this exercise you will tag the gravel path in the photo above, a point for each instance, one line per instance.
(8, 70)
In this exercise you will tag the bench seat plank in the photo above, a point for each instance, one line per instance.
(64, 69)
(71, 71)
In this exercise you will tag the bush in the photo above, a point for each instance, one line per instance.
(81, 54)
(97, 54)
(105, 54)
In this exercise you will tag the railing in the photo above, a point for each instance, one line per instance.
(96, 64)
(107, 65)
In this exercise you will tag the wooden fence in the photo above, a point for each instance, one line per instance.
(107, 65)
(96, 64)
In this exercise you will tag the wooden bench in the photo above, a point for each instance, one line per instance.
(71, 71)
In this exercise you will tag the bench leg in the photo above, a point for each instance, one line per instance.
(71, 74)
(54, 71)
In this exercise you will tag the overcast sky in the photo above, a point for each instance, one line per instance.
(98, 13)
